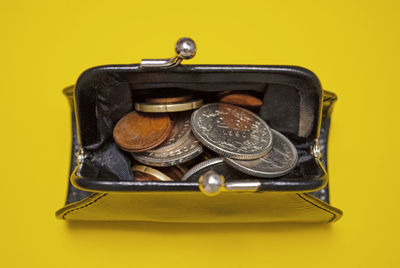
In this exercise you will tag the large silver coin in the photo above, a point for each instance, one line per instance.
(278, 162)
(178, 155)
(231, 131)
(201, 166)
(179, 134)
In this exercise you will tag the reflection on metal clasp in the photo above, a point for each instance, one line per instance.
(212, 184)
(185, 49)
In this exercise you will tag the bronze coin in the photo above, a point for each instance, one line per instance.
(172, 98)
(241, 99)
(138, 132)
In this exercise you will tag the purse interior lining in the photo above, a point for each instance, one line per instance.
(290, 105)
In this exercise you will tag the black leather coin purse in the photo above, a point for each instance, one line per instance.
(102, 185)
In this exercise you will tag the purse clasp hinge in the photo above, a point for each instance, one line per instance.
(316, 149)
(185, 49)
(80, 157)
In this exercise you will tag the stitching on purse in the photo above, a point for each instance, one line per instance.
(88, 204)
(334, 215)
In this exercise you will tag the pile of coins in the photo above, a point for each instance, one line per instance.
(173, 137)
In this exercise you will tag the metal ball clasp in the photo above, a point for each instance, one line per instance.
(185, 48)
(211, 183)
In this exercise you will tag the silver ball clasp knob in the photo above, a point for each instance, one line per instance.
(211, 183)
(185, 48)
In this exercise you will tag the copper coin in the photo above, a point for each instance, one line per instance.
(172, 98)
(241, 99)
(138, 132)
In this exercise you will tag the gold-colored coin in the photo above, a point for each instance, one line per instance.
(168, 107)
(145, 173)
(171, 98)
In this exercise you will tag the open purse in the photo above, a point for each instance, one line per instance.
(102, 185)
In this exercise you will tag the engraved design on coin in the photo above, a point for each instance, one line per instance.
(179, 134)
(231, 131)
(278, 162)
(188, 150)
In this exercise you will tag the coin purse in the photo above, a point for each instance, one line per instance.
(101, 182)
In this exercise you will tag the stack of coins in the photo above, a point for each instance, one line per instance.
(173, 137)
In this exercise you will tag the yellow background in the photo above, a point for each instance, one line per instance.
(351, 46)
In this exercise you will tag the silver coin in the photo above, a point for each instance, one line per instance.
(231, 131)
(179, 134)
(201, 166)
(278, 162)
(178, 155)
